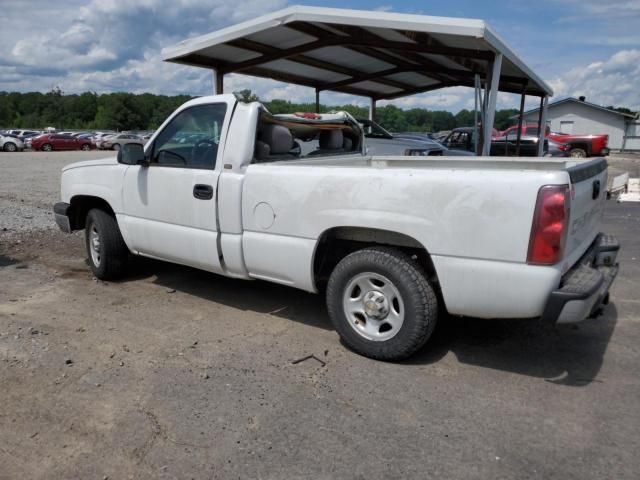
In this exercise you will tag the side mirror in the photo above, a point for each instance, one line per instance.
(132, 154)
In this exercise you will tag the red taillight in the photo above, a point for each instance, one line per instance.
(564, 147)
(549, 228)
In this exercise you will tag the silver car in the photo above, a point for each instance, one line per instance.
(115, 142)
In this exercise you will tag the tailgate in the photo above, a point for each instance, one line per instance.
(588, 194)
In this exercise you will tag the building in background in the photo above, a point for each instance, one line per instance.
(577, 116)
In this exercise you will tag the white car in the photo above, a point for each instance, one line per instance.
(11, 144)
(223, 186)
(98, 137)
(115, 142)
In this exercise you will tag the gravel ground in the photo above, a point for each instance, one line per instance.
(178, 373)
(29, 186)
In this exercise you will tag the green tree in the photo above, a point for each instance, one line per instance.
(247, 95)
(465, 118)
(504, 119)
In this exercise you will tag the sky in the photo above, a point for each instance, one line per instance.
(580, 47)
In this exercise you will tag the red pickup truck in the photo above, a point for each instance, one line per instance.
(580, 145)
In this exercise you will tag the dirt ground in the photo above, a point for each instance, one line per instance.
(177, 373)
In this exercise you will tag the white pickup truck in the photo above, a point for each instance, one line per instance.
(224, 186)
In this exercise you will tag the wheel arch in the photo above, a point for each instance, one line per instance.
(80, 206)
(337, 242)
(582, 145)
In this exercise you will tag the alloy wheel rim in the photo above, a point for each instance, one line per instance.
(94, 246)
(373, 306)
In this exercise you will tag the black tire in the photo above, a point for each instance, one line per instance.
(10, 147)
(420, 304)
(47, 147)
(113, 252)
(116, 146)
(578, 153)
(86, 147)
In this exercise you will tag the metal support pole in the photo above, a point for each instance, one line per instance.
(372, 110)
(491, 105)
(317, 101)
(482, 99)
(540, 113)
(542, 124)
(476, 94)
(217, 82)
(520, 115)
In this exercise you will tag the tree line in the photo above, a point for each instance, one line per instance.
(108, 111)
(146, 111)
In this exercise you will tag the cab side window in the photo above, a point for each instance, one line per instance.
(191, 138)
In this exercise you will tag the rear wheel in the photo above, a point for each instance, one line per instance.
(85, 147)
(47, 147)
(116, 146)
(577, 153)
(107, 252)
(10, 147)
(381, 303)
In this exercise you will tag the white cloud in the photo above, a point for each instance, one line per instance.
(609, 82)
(443, 99)
(112, 44)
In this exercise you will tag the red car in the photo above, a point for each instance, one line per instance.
(55, 141)
(579, 145)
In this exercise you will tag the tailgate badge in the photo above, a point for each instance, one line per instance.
(596, 189)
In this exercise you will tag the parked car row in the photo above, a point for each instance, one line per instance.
(18, 140)
(459, 141)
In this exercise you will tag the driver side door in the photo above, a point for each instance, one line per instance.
(170, 206)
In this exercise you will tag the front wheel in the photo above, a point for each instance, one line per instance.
(381, 303)
(10, 147)
(85, 147)
(116, 146)
(47, 147)
(107, 252)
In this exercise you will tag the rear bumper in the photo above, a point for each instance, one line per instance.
(585, 287)
(61, 212)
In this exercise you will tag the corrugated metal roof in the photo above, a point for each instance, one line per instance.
(381, 55)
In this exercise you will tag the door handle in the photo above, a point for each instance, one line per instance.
(203, 192)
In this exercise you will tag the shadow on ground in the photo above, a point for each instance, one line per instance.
(256, 296)
(6, 261)
(570, 355)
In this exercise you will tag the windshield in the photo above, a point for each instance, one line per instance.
(373, 130)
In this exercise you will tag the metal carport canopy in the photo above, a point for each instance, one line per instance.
(380, 55)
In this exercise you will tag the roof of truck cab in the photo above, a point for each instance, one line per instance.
(381, 55)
